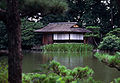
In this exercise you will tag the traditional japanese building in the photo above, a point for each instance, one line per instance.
(62, 32)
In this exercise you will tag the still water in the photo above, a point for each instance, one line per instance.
(32, 62)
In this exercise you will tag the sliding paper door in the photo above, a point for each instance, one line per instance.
(61, 36)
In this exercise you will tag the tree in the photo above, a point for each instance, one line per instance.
(14, 38)
(115, 32)
(11, 18)
(29, 38)
(111, 43)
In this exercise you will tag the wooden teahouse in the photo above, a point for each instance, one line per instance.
(62, 32)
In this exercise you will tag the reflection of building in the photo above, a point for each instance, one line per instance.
(62, 32)
(70, 61)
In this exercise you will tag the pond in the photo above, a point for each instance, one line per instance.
(32, 61)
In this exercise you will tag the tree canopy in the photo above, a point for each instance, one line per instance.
(32, 7)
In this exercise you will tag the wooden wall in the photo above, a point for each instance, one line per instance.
(47, 39)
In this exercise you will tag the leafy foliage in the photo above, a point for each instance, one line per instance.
(110, 42)
(57, 74)
(89, 13)
(32, 7)
(95, 31)
(3, 70)
(43, 6)
(3, 36)
(117, 80)
(115, 32)
(68, 75)
(29, 38)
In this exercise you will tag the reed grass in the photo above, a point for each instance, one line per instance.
(69, 47)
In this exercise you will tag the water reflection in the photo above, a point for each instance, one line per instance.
(104, 73)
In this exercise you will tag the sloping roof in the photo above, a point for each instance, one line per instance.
(62, 27)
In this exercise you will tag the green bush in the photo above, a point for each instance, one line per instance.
(33, 78)
(117, 80)
(3, 70)
(29, 37)
(67, 48)
(110, 42)
(59, 74)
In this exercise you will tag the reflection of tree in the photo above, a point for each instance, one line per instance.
(46, 59)
(70, 60)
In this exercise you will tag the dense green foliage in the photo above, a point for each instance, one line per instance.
(52, 78)
(3, 70)
(59, 73)
(95, 31)
(93, 14)
(111, 60)
(89, 13)
(3, 36)
(117, 80)
(110, 42)
(70, 47)
(32, 7)
(29, 37)
(115, 32)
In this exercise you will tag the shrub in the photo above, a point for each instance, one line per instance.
(117, 80)
(3, 70)
(110, 42)
(70, 75)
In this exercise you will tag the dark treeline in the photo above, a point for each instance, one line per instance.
(102, 13)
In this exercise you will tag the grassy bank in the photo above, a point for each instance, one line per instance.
(111, 60)
(67, 48)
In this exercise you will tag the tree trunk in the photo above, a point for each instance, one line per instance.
(14, 39)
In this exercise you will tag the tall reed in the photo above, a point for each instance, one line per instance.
(69, 47)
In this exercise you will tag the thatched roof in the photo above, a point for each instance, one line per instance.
(62, 27)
